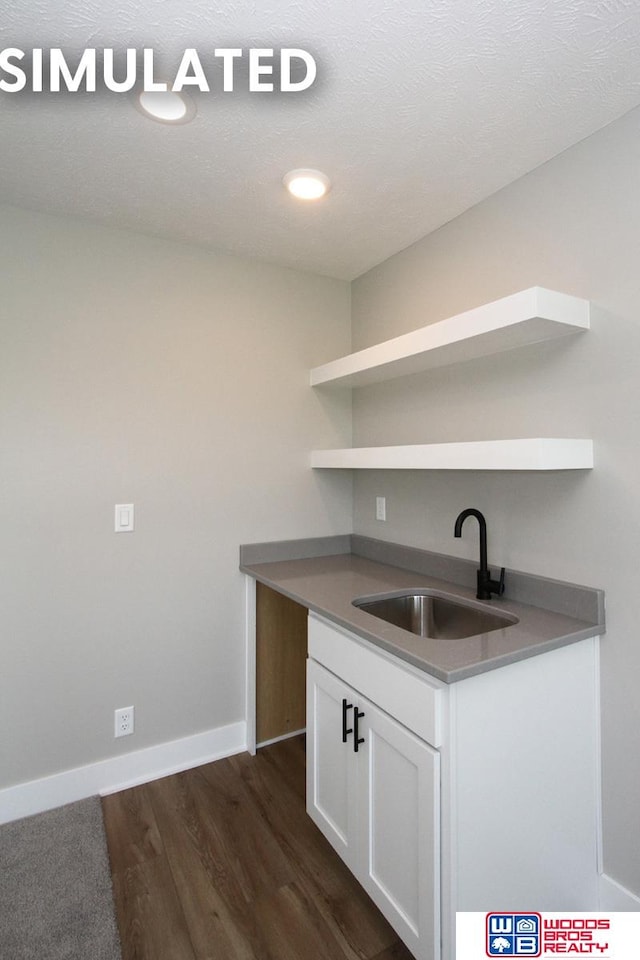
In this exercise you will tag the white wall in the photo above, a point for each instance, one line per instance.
(137, 370)
(572, 225)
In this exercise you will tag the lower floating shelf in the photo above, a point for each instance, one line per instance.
(531, 454)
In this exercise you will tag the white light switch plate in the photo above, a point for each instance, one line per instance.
(381, 508)
(124, 518)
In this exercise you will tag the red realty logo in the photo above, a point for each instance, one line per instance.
(587, 936)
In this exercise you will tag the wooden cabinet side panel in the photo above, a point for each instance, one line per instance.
(281, 655)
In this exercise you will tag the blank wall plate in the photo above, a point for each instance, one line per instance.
(124, 518)
(381, 508)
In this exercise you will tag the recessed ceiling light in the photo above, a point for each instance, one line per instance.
(307, 184)
(166, 106)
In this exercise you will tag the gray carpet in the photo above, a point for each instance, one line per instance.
(56, 901)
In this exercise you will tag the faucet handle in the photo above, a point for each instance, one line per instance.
(489, 586)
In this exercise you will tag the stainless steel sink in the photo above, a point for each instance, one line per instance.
(439, 616)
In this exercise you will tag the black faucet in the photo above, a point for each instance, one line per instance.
(486, 586)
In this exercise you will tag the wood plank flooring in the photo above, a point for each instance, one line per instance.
(223, 863)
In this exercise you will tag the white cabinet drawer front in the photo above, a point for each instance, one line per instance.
(415, 700)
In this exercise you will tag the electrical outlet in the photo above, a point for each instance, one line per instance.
(124, 721)
(381, 508)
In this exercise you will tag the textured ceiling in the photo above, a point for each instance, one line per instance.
(421, 109)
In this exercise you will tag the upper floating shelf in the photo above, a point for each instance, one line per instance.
(529, 316)
(540, 453)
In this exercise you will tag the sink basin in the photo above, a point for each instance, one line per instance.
(436, 615)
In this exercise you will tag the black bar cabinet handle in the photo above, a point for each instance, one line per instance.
(345, 731)
(357, 740)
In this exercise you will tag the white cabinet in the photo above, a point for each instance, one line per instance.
(373, 777)
(331, 768)
(476, 796)
(399, 829)
(373, 790)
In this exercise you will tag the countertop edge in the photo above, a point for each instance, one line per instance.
(448, 676)
(559, 596)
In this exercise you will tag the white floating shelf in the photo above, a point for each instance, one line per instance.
(535, 454)
(523, 318)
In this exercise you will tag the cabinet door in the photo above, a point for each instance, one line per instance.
(331, 773)
(399, 828)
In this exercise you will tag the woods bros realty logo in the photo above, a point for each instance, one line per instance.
(225, 69)
(529, 935)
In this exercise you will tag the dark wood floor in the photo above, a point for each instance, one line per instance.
(223, 863)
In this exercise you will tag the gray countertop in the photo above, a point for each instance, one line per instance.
(327, 583)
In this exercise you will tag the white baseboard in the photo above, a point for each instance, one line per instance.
(284, 736)
(616, 898)
(118, 773)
